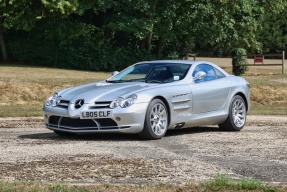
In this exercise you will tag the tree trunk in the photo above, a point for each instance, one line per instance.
(159, 47)
(2, 44)
(148, 42)
(148, 38)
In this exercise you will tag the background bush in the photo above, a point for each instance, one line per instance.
(239, 61)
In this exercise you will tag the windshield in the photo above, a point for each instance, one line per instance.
(152, 73)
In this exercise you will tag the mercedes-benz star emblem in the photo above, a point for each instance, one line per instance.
(79, 103)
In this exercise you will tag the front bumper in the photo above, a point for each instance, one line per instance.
(124, 120)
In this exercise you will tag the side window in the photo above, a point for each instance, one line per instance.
(179, 70)
(218, 73)
(210, 75)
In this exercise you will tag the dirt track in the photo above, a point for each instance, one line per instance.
(29, 151)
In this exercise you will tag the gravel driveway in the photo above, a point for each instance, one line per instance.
(28, 151)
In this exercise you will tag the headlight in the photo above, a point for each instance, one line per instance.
(128, 101)
(123, 103)
(116, 103)
(53, 100)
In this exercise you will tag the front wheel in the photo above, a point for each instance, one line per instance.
(156, 120)
(237, 115)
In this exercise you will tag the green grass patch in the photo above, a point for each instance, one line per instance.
(268, 110)
(249, 184)
(220, 183)
(223, 183)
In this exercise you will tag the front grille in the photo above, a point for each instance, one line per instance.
(67, 123)
(63, 104)
(101, 105)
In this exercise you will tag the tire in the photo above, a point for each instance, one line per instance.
(156, 121)
(63, 134)
(237, 115)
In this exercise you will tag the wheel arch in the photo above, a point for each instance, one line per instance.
(244, 98)
(166, 104)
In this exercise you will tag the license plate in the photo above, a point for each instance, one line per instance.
(96, 114)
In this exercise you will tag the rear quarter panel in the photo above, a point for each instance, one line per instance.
(238, 86)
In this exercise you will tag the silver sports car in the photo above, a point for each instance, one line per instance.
(150, 97)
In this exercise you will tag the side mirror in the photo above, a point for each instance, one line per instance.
(115, 73)
(199, 75)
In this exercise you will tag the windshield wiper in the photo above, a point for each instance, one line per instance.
(159, 81)
(153, 81)
(113, 81)
(140, 80)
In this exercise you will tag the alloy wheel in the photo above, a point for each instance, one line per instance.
(158, 119)
(239, 113)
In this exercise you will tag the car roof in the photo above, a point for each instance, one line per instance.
(176, 61)
(190, 62)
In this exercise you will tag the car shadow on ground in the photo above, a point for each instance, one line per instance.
(191, 130)
(114, 136)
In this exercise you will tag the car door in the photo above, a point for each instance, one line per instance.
(210, 93)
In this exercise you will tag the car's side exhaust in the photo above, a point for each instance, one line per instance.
(179, 125)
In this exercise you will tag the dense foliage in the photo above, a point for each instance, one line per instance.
(109, 35)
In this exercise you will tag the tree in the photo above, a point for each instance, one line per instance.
(154, 24)
(22, 14)
(137, 29)
(273, 33)
(149, 24)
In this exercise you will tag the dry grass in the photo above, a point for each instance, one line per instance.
(22, 85)
(272, 95)
(12, 73)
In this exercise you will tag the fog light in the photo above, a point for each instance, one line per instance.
(118, 118)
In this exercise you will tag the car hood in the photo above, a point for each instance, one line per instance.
(102, 91)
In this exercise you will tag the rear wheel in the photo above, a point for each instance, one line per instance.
(237, 115)
(156, 120)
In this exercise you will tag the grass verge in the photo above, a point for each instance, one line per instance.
(220, 183)
(268, 110)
